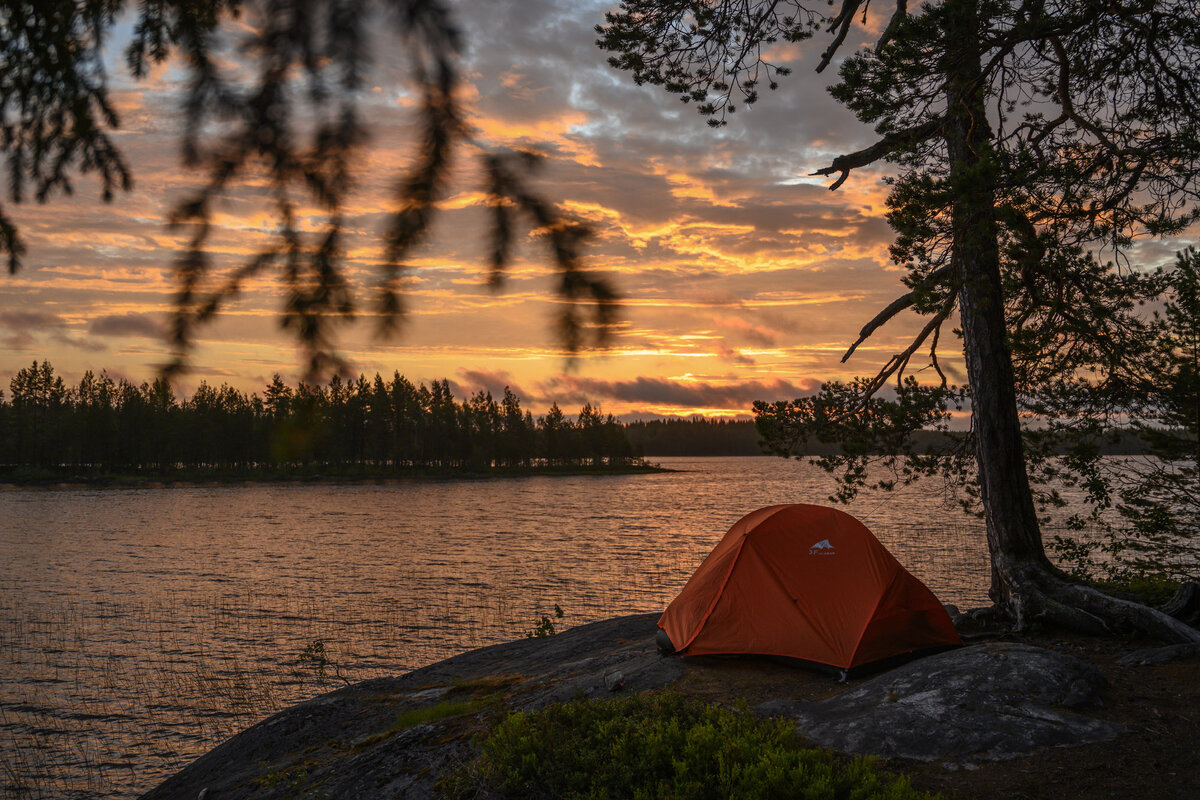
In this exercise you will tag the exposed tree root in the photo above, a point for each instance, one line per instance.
(1185, 605)
(1036, 594)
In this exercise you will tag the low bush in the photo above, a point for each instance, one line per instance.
(1146, 589)
(663, 746)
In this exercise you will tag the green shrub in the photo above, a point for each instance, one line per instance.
(664, 746)
(545, 626)
(1149, 590)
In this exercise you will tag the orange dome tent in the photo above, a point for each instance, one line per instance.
(805, 582)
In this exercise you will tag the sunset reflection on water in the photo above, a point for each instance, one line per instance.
(139, 627)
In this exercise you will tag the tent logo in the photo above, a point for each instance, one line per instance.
(822, 548)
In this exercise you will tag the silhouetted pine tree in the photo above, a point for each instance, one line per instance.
(102, 425)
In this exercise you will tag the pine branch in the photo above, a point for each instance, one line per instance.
(898, 18)
(889, 144)
(841, 23)
(896, 306)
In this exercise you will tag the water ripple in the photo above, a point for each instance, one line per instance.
(139, 628)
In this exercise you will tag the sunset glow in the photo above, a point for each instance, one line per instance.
(742, 278)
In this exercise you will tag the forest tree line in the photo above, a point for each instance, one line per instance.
(104, 425)
(695, 436)
(699, 437)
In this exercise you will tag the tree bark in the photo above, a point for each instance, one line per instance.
(1012, 527)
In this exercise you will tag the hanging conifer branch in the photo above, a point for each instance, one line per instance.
(508, 192)
(291, 132)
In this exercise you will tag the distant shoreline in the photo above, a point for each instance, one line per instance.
(323, 478)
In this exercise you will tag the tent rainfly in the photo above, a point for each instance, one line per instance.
(804, 582)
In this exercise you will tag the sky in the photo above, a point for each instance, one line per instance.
(742, 277)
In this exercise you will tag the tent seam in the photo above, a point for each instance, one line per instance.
(871, 617)
(817, 628)
(725, 581)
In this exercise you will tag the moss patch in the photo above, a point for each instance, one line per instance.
(291, 781)
(487, 685)
(448, 708)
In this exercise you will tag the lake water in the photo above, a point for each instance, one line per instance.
(140, 627)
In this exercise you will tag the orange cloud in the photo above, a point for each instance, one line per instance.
(735, 270)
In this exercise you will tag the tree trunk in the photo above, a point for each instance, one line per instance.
(1025, 586)
(1012, 527)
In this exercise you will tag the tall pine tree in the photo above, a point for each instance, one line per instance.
(1022, 133)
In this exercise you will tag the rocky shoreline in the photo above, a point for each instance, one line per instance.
(994, 702)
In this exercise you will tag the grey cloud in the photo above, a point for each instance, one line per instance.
(553, 50)
(475, 380)
(17, 320)
(747, 330)
(670, 392)
(80, 344)
(632, 128)
(733, 356)
(19, 341)
(1157, 253)
(129, 324)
